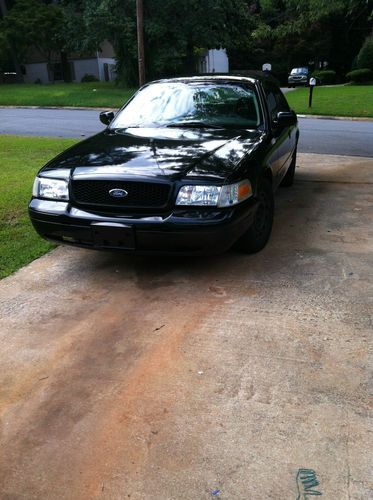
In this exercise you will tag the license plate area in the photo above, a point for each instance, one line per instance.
(113, 235)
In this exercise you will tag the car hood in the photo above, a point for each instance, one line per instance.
(168, 153)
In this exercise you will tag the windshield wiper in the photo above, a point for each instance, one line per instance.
(193, 125)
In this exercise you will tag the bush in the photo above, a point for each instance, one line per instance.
(89, 78)
(326, 76)
(360, 75)
(365, 57)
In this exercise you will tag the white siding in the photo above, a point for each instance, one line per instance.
(216, 61)
(110, 61)
(85, 66)
(35, 71)
(92, 66)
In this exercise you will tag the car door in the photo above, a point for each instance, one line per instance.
(281, 137)
(290, 144)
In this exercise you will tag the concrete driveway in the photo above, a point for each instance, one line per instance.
(155, 378)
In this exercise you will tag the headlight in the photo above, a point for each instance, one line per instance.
(235, 193)
(53, 189)
(198, 195)
(216, 196)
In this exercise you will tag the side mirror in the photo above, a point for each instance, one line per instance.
(106, 117)
(286, 119)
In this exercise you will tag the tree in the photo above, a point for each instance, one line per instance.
(365, 57)
(8, 53)
(295, 32)
(174, 31)
(37, 25)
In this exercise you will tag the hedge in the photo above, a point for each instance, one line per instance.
(360, 75)
(327, 76)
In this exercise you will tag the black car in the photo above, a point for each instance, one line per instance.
(187, 166)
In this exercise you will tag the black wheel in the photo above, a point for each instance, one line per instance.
(258, 234)
(288, 180)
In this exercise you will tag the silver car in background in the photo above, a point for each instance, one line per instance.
(298, 76)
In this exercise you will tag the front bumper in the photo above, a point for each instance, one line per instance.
(184, 231)
(299, 81)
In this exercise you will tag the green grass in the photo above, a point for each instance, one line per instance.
(349, 100)
(96, 94)
(20, 159)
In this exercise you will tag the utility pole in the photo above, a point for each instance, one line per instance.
(140, 40)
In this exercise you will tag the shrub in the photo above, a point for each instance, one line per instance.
(327, 76)
(360, 75)
(89, 78)
(365, 57)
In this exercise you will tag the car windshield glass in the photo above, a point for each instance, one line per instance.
(200, 104)
(299, 71)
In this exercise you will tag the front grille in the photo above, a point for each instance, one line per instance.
(140, 194)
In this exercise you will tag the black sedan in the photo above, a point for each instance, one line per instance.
(187, 166)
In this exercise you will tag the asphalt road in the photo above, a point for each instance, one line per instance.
(339, 137)
(132, 378)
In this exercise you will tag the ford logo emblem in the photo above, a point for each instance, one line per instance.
(118, 193)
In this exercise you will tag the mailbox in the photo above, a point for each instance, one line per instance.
(312, 82)
(312, 86)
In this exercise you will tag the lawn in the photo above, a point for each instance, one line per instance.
(20, 159)
(97, 94)
(349, 100)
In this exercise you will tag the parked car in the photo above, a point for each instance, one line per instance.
(187, 166)
(298, 76)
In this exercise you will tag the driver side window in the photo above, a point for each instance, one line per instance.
(275, 101)
(272, 104)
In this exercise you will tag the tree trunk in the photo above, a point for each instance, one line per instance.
(66, 70)
(190, 62)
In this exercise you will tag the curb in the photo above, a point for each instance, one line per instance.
(79, 108)
(326, 117)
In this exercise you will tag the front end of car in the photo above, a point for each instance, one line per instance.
(142, 215)
(298, 77)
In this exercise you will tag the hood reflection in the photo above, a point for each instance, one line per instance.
(160, 152)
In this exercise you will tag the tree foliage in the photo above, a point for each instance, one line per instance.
(365, 57)
(296, 32)
(34, 24)
(286, 33)
(174, 31)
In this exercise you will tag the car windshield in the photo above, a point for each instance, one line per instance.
(195, 105)
(299, 71)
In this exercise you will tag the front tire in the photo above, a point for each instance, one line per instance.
(256, 237)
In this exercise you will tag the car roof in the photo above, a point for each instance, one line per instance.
(251, 77)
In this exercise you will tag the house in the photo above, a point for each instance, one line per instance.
(214, 61)
(100, 64)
